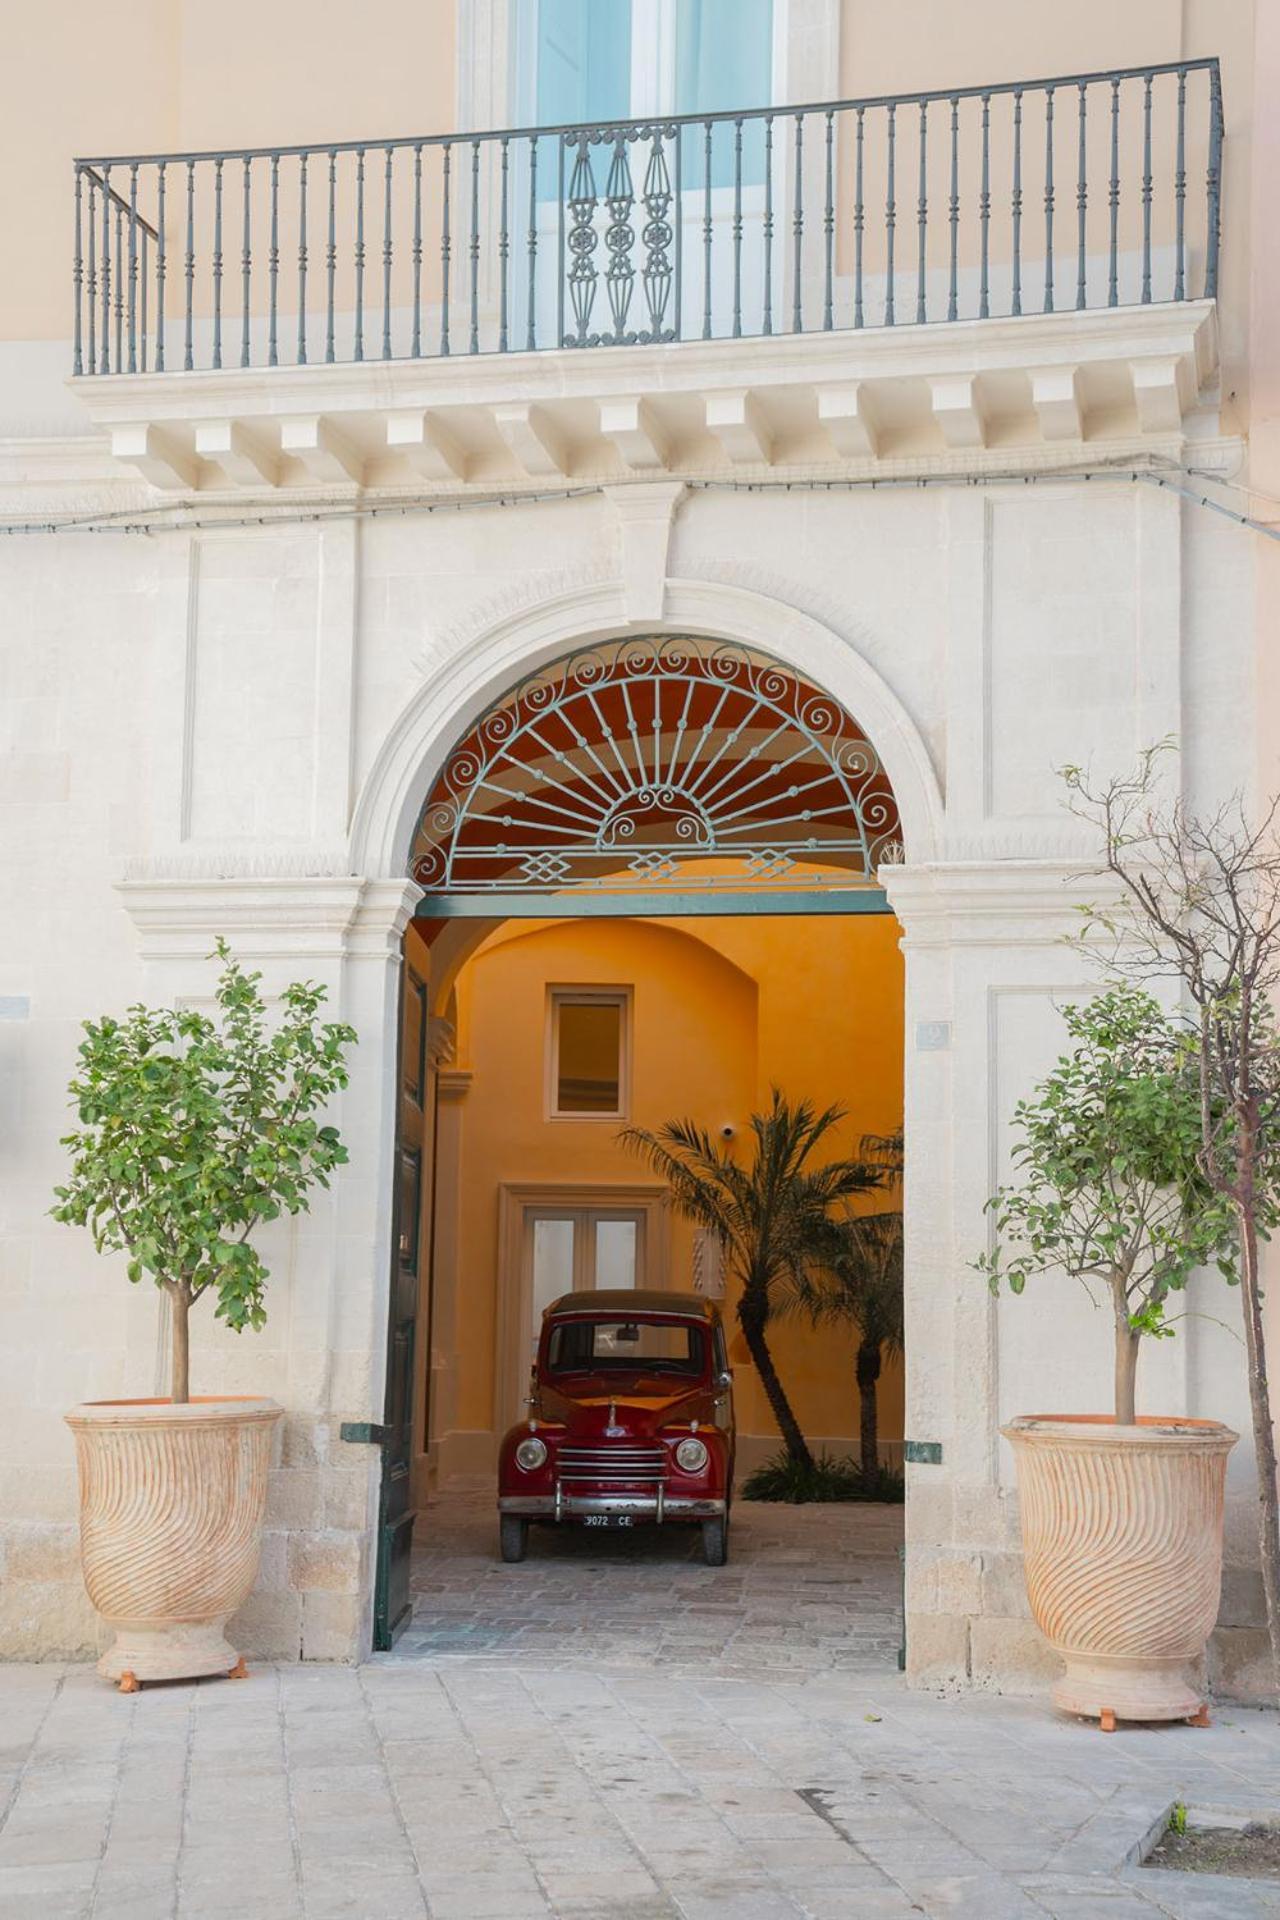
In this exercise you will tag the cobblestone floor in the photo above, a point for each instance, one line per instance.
(778, 1770)
(801, 1592)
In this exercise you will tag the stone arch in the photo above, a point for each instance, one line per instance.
(457, 689)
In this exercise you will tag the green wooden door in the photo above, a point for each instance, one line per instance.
(393, 1601)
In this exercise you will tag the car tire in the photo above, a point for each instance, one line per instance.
(513, 1537)
(715, 1540)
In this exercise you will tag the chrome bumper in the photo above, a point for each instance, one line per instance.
(562, 1505)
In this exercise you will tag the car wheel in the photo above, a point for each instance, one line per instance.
(513, 1535)
(715, 1541)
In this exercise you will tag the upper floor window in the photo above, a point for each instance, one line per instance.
(600, 60)
(588, 1044)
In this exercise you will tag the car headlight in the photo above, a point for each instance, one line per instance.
(691, 1455)
(531, 1453)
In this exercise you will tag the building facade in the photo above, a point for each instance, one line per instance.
(930, 358)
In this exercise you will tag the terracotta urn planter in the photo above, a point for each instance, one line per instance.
(1122, 1542)
(172, 1500)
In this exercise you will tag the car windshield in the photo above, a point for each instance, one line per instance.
(646, 1346)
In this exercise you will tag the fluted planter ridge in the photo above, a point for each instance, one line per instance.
(172, 1502)
(1122, 1548)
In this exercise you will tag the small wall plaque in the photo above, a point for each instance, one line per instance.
(933, 1036)
(922, 1453)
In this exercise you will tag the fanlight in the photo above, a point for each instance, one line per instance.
(620, 766)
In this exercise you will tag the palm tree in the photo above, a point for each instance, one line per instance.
(772, 1216)
(863, 1283)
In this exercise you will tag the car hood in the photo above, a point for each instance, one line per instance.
(639, 1404)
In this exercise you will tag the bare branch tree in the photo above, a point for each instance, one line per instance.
(1198, 903)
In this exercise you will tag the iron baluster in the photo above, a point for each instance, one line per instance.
(244, 268)
(657, 237)
(560, 243)
(273, 265)
(797, 230)
(706, 231)
(737, 227)
(768, 224)
(582, 239)
(1180, 189)
(1048, 200)
(952, 292)
(446, 250)
(105, 367)
(217, 263)
(1146, 192)
(504, 248)
(120, 280)
(531, 340)
(677, 320)
(1082, 201)
(386, 256)
(77, 275)
(985, 216)
(922, 216)
(160, 266)
(858, 220)
(358, 353)
(133, 267)
(331, 254)
(190, 266)
(1213, 184)
(91, 281)
(475, 246)
(416, 342)
(142, 302)
(1016, 306)
(889, 221)
(619, 277)
(1113, 196)
(302, 261)
(829, 228)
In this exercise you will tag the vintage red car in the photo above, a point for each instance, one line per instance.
(630, 1421)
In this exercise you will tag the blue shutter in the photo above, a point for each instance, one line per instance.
(724, 60)
(584, 61)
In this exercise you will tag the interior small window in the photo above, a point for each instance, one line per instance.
(588, 1047)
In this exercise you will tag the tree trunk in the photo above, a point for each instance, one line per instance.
(758, 1347)
(1264, 1443)
(180, 1376)
(1127, 1345)
(868, 1373)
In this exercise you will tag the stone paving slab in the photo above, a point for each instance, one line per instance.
(527, 1782)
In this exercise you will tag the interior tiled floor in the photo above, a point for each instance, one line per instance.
(610, 1731)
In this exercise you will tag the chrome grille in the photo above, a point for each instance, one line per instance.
(617, 1465)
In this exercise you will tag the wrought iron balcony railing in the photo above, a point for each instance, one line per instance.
(1088, 190)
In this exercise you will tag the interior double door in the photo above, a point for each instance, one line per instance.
(578, 1250)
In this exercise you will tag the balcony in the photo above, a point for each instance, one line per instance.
(1030, 264)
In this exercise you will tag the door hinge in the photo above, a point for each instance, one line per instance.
(364, 1433)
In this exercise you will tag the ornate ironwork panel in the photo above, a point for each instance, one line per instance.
(615, 214)
(618, 767)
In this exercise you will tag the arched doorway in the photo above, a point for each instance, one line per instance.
(669, 777)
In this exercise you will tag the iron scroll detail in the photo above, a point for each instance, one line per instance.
(616, 767)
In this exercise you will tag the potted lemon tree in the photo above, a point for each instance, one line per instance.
(194, 1130)
(1121, 1511)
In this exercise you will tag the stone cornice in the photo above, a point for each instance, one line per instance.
(993, 903)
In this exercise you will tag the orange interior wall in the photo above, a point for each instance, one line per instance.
(722, 1010)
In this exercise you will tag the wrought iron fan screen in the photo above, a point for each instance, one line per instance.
(618, 767)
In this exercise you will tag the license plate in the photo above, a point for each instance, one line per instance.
(606, 1520)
